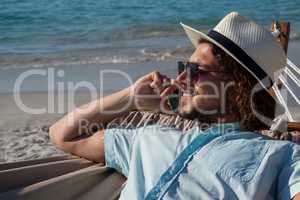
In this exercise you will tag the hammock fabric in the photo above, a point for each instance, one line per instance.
(138, 119)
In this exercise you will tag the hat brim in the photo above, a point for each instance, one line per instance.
(195, 35)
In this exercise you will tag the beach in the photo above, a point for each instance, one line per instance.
(59, 55)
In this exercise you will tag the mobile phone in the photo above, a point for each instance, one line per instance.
(174, 100)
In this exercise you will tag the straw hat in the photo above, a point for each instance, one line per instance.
(254, 47)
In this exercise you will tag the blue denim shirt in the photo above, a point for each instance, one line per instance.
(228, 164)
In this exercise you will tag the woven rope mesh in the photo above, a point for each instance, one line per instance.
(138, 119)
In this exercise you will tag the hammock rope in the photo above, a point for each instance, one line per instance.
(290, 72)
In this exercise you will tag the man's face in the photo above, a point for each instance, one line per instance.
(205, 96)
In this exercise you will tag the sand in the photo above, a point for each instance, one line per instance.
(24, 136)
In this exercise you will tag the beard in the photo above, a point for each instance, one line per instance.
(208, 115)
(194, 114)
(204, 111)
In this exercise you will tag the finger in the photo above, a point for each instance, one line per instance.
(182, 76)
(165, 82)
(180, 85)
(156, 77)
(165, 106)
(156, 80)
(165, 79)
(175, 85)
(169, 90)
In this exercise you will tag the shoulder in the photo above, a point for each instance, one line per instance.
(163, 131)
(287, 152)
(163, 138)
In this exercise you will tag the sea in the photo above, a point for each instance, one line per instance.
(44, 33)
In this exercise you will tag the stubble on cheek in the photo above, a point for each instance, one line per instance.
(198, 106)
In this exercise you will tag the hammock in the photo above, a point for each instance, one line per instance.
(289, 93)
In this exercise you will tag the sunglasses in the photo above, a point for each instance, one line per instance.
(193, 69)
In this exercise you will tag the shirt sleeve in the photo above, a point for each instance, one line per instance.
(118, 146)
(289, 176)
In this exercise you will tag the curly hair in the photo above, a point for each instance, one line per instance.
(241, 102)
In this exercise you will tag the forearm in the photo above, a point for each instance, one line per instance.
(65, 133)
(98, 112)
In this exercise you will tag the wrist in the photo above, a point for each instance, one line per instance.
(130, 98)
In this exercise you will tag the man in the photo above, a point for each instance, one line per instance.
(238, 59)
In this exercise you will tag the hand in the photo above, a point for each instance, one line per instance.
(151, 92)
(147, 91)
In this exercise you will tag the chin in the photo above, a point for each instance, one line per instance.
(190, 116)
(189, 104)
(190, 112)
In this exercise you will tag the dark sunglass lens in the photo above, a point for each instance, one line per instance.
(181, 67)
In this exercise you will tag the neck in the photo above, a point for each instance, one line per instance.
(227, 118)
(217, 118)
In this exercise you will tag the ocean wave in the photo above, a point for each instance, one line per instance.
(107, 54)
(127, 51)
(84, 58)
